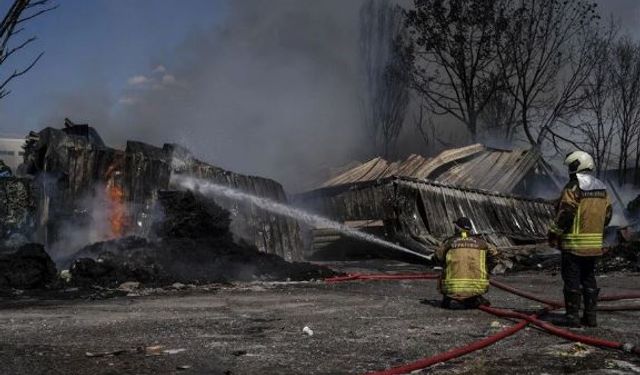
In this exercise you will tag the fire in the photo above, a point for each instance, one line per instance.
(118, 218)
(117, 208)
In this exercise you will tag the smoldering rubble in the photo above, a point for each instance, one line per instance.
(112, 216)
(192, 244)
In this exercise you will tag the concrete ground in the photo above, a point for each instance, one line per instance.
(256, 328)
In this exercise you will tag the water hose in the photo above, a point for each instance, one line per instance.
(589, 340)
(453, 353)
(525, 320)
(497, 284)
(404, 276)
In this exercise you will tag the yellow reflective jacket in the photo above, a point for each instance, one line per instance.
(465, 273)
(582, 213)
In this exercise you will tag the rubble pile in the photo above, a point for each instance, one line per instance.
(26, 267)
(192, 244)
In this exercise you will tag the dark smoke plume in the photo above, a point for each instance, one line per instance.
(274, 90)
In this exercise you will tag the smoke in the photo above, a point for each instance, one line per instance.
(274, 90)
(211, 189)
(90, 223)
(624, 12)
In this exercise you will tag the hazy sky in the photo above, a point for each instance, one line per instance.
(259, 86)
(105, 41)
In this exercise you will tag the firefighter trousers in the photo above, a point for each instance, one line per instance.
(578, 272)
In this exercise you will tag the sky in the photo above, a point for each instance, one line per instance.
(266, 87)
(97, 41)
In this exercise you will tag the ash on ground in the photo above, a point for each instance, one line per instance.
(193, 244)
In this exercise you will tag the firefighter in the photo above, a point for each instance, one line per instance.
(465, 275)
(582, 213)
(5, 171)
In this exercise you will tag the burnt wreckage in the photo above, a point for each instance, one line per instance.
(73, 165)
(412, 202)
(415, 201)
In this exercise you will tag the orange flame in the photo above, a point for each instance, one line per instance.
(117, 208)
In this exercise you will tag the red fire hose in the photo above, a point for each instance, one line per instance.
(454, 353)
(497, 284)
(589, 340)
(382, 276)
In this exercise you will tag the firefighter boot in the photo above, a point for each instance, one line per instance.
(446, 302)
(590, 304)
(572, 299)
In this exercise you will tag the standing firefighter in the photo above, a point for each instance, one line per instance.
(465, 275)
(582, 213)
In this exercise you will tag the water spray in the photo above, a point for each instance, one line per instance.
(208, 188)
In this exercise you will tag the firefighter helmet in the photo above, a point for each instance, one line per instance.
(579, 161)
(463, 223)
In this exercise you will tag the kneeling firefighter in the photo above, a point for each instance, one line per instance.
(465, 275)
(582, 213)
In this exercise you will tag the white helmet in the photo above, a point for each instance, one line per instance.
(579, 161)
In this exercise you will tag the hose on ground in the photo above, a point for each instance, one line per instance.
(453, 353)
(497, 284)
(589, 340)
(525, 319)
(550, 302)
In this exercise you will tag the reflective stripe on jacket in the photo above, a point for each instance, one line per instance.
(465, 271)
(583, 212)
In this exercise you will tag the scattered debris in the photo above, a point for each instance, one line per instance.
(174, 351)
(571, 350)
(308, 331)
(108, 354)
(154, 350)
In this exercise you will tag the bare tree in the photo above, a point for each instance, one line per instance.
(455, 56)
(500, 116)
(427, 129)
(625, 94)
(387, 73)
(12, 25)
(593, 127)
(548, 54)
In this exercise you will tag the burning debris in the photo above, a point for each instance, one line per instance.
(192, 244)
(77, 172)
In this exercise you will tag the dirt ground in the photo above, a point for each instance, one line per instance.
(257, 328)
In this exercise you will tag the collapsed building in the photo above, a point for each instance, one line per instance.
(82, 187)
(415, 201)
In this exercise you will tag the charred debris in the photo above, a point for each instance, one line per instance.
(110, 216)
(74, 190)
(506, 193)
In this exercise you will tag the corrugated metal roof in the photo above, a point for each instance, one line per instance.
(474, 166)
(425, 210)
